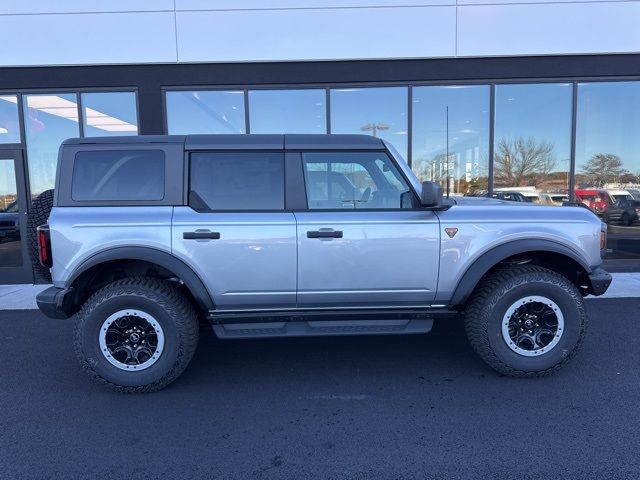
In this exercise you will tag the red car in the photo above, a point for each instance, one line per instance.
(597, 200)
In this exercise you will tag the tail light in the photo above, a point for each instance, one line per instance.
(44, 246)
(603, 239)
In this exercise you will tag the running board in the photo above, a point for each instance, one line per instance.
(322, 328)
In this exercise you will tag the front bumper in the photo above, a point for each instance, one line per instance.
(599, 279)
(56, 302)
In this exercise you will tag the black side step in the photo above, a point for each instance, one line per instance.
(321, 328)
(301, 323)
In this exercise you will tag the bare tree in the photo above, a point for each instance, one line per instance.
(603, 168)
(522, 161)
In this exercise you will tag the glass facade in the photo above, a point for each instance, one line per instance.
(48, 120)
(532, 140)
(203, 111)
(10, 241)
(109, 113)
(450, 136)
(444, 131)
(381, 112)
(9, 120)
(51, 118)
(287, 111)
(607, 175)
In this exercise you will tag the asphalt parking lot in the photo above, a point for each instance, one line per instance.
(343, 408)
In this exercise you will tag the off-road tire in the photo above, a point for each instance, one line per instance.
(167, 304)
(38, 215)
(489, 303)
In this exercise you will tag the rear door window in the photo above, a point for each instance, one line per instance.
(113, 175)
(236, 181)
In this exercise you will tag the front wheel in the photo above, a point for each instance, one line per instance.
(526, 321)
(136, 334)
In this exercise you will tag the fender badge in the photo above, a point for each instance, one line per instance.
(451, 231)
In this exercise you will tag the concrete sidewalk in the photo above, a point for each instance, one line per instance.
(23, 297)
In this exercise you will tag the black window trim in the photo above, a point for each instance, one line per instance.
(173, 174)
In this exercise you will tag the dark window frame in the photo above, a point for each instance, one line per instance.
(173, 175)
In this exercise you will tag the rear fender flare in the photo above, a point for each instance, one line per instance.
(159, 257)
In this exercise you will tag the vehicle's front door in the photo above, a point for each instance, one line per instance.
(235, 233)
(14, 261)
(363, 241)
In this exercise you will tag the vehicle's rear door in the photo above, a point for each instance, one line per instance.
(363, 241)
(235, 231)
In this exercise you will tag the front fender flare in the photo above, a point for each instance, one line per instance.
(492, 257)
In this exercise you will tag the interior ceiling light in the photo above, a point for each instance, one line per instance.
(61, 107)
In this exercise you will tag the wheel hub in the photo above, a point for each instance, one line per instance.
(532, 326)
(131, 339)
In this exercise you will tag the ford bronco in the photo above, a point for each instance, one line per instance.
(295, 235)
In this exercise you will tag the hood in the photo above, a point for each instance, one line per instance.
(482, 201)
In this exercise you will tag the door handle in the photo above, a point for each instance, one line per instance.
(325, 234)
(201, 235)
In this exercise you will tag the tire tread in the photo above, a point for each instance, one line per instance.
(171, 299)
(483, 300)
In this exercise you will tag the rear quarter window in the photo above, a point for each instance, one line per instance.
(111, 175)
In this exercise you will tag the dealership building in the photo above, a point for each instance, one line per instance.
(500, 96)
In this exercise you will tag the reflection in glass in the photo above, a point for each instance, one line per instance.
(109, 113)
(356, 180)
(381, 112)
(9, 123)
(532, 147)
(608, 160)
(205, 112)
(10, 245)
(49, 119)
(466, 110)
(287, 111)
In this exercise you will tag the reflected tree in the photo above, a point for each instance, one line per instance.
(604, 168)
(522, 161)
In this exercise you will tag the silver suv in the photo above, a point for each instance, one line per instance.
(296, 235)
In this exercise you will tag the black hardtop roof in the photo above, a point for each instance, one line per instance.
(244, 142)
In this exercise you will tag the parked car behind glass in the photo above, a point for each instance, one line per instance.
(623, 211)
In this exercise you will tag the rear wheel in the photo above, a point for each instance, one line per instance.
(136, 334)
(526, 321)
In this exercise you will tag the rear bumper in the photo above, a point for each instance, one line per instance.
(599, 280)
(56, 302)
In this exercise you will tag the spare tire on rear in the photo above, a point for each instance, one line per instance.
(38, 215)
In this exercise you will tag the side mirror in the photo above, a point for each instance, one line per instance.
(431, 194)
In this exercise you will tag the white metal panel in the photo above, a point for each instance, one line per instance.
(87, 38)
(560, 28)
(82, 6)
(313, 34)
(271, 4)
